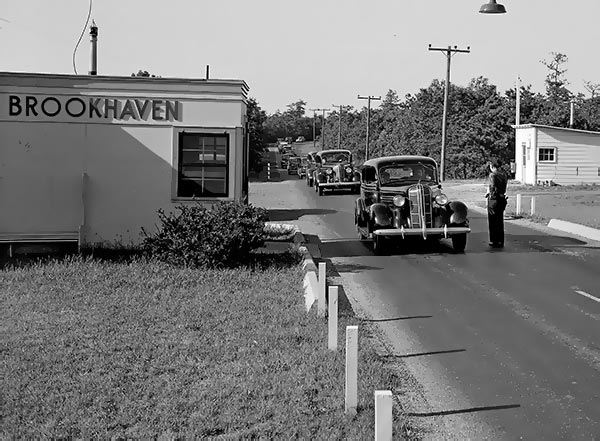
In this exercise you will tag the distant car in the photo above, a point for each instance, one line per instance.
(401, 196)
(293, 165)
(302, 168)
(335, 170)
(300, 139)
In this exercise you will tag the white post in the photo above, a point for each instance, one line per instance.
(351, 369)
(322, 287)
(333, 318)
(383, 415)
(268, 171)
(532, 205)
(519, 203)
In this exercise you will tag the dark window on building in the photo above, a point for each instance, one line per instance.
(203, 165)
(546, 155)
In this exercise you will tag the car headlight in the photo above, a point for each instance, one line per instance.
(399, 200)
(348, 169)
(441, 199)
(328, 171)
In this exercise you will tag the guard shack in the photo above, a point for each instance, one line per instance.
(90, 159)
(564, 156)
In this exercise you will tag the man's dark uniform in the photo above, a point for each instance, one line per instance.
(495, 208)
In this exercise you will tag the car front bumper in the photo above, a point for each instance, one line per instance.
(443, 231)
(339, 184)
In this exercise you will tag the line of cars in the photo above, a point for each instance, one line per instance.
(400, 197)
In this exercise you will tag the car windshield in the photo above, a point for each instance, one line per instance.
(335, 157)
(400, 174)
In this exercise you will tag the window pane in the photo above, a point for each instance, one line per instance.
(208, 142)
(214, 187)
(221, 141)
(190, 141)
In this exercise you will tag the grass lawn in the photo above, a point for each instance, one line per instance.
(93, 348)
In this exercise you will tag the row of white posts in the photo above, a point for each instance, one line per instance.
(268, 171)
(383, 398)
(518, 209)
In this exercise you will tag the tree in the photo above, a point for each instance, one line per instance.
(256, 121)
(143, 73)
(555, 81)
(592, 88)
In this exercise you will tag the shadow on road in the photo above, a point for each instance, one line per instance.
(422, 354)
(396, 319)
(467, 410)
(296, 213)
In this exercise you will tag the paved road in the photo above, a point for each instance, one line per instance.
(504, 343)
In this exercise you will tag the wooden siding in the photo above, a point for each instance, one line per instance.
(577, 157)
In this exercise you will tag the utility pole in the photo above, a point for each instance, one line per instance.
(368, 98)
(449, 51)
(322, 128)
(340, 123)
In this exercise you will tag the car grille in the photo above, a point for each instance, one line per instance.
(387, 197)
(419, 197)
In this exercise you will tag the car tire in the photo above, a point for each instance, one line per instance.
(361, 236)
(459, 242)
(380, 245)
(320, 190)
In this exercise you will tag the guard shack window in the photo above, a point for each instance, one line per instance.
(546, 155)
(203, 165)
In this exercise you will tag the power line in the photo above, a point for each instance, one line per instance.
(449, 51)
(87, 20)
(368, 98)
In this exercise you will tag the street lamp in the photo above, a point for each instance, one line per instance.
(492, 8)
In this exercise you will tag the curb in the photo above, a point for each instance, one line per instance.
(310, 283)
(556, 224)
(573, 228)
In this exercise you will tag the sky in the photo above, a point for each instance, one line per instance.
(325, 52)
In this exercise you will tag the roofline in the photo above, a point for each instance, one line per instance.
(116, 78)
(542, 126)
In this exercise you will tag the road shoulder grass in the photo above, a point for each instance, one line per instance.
(137, 349)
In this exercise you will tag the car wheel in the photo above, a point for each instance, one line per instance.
(379, 245)
(459, 242)
(361, 236)
(320, 190)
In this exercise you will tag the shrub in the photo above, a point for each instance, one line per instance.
(223, 235)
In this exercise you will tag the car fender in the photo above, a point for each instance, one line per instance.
(459, 212)
(360, 211)
(380, 214)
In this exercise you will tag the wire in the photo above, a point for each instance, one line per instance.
(81, 36)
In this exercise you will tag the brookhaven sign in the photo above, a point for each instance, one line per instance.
(91, 107)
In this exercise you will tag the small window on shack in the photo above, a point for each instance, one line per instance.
(203, 169)
(547, 155)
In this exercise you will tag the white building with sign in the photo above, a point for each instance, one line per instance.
(545, 154)
(91, 158)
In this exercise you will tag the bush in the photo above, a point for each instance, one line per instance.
(221, 236)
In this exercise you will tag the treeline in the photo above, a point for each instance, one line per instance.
(479, 121)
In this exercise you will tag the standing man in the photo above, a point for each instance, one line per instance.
(496, 203)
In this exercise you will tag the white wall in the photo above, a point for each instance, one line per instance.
(577, 156)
